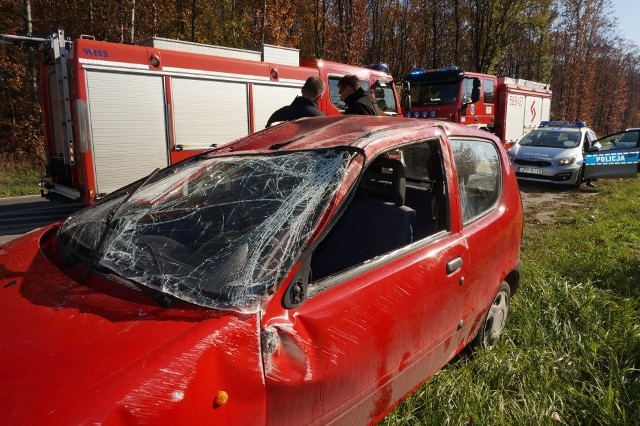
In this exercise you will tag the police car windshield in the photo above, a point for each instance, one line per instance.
(552, 139)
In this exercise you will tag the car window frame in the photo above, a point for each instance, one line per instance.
(317, 287)
(499, 184)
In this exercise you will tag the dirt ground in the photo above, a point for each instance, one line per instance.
(545, 203)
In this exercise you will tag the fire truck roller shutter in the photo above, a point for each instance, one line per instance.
(269, 98)
(208, 112)
(514, 117)
(128, 131)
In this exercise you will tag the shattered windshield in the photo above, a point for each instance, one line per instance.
(433, 93)
(219, 232)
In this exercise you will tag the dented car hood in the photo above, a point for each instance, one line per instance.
(91, 351)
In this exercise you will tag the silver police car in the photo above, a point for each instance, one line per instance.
(569, 153)
(554, 152)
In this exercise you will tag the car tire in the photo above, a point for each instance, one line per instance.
(578, 182)
(494, 321)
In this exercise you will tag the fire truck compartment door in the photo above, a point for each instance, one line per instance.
(128, 130)
(269, 98)
(208, 113)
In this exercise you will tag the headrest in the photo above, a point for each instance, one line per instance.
(384, 180)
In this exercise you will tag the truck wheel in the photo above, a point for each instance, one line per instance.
(494, 321)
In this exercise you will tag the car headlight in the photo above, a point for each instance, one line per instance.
(565, 161)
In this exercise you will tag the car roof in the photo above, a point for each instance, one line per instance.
(371, 133)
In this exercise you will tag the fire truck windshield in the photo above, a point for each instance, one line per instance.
(433, 93)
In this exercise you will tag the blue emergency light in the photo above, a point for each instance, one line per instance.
(563, 124)
(380, 66)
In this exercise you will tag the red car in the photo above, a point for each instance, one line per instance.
(318, 271)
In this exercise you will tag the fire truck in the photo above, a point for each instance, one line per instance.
(505, 106)
(113, 112)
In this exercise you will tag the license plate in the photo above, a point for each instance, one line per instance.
(531, 170)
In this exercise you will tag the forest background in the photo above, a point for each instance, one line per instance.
(574, 45)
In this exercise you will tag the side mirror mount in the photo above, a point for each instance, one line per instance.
(595, 147)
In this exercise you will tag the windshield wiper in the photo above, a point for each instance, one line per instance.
(161, 298)
(97, 253)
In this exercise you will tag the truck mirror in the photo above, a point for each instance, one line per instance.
(475, 92)
(406, 97)
(406, 102)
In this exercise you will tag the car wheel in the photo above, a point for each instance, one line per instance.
(578, 182)
(494, 321)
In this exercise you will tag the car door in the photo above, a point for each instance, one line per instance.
(617, 156)
(369, 334)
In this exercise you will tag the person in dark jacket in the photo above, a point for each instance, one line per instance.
(302, 106)
(358, 101)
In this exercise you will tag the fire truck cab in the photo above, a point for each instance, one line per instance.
(505, 106)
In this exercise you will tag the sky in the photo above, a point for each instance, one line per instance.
(627, 12)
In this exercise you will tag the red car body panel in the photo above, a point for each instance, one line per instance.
(99, 352)
(87, 353)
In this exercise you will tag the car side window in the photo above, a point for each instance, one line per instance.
(478, 167)
(400, 199)
(627, 140)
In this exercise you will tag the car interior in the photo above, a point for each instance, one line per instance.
(399, 200)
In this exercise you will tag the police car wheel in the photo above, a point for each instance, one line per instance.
(578, 182)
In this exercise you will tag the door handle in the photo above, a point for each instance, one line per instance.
(453, 265)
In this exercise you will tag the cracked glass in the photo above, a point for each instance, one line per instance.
(220, 232)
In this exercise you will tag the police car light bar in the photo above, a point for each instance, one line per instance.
(563, 124)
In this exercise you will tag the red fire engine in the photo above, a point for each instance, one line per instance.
(505, 106)
(114, 112)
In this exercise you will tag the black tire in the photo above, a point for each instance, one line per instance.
(494, 321)
(579, 179)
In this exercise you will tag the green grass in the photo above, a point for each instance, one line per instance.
(18, 179)
(571, 352)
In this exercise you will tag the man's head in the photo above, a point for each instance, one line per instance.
(313, 88)
(348, 85)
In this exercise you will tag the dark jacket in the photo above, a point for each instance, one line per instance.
(360, 102)
(300, 107)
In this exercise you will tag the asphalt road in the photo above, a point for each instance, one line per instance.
(19, 215)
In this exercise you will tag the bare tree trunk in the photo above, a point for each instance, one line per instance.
(133, 21)
(32, 58)
(456, 53)
(264, 19)
(193, 20)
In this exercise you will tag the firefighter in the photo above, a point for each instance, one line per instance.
(358, 101)
(302, 106)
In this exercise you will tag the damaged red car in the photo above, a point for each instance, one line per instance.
(315, 272)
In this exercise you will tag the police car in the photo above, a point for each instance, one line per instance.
(569, 153)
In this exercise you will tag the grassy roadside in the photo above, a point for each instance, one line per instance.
(571, 353)
(18, 180)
